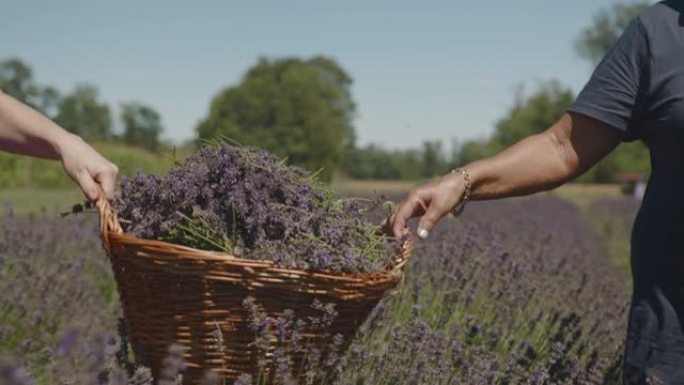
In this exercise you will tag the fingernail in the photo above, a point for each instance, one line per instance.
(423, 233)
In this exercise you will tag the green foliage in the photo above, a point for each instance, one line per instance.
(21, 172)
(533, 114)
(299, 109)
(142, 125)
(80, 111)
(538, 111)
(631, 157)
(374, 162)
(434, 162)
(530, 114)
(16, 80)
(612, 219)
(595, 40)
(49, 100)
(83, 114)
(474, 149)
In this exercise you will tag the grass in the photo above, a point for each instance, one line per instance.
(21, 175)
(583, 195)
(613, 229)
(26, 172)
(370, 187)
(24, 200)
(31, 199)
(580, 194)
(27, 199)
(616, 239)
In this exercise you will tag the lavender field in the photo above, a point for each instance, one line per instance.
(523, 291)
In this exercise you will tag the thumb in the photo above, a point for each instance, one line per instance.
(90, 188)
(429, 220)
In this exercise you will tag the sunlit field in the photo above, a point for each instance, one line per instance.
(519, 290)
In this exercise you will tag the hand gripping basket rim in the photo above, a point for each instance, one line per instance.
(133, 258)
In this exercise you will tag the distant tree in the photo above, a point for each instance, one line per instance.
(301, 109)
(433, 159)
(48, 101)
(607, 25)
(532, 114)
(83, 114)
(16, 80)
(631, 157)
(474, 149)
(536, 112)
(142, 125)
(374, 162)
(454, 152)
(371, 162)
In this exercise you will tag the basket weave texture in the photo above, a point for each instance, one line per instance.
(177, 294)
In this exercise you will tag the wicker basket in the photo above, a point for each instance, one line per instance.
(177, 294)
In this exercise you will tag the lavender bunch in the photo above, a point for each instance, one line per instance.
(247, 202)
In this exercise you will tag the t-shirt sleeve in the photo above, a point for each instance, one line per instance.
(615, 91)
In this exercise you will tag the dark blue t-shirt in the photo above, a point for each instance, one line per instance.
(638, 88)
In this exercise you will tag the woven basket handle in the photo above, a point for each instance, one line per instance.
(402, 259)
(109, 223)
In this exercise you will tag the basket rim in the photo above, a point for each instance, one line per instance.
(111, 230)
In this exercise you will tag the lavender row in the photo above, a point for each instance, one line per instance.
(513, 292)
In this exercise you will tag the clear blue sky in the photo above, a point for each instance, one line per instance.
(421, 69)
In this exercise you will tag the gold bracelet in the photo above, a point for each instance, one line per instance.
(460, 206)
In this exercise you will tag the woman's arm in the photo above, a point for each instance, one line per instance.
(27, 132)
(540, 162)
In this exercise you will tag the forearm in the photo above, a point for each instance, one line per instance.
(540, 162)
(529, 166)
(25, 131)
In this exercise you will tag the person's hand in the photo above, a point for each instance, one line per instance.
(90, 170)
(431, 201)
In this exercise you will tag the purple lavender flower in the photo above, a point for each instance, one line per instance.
(228, 198)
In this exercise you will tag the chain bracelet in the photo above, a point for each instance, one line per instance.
(460, 206)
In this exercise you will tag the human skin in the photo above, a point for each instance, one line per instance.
(537, 163)
(25, 131)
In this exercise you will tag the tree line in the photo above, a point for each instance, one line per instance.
(81, 111)
(303, 110)
(534, 112)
